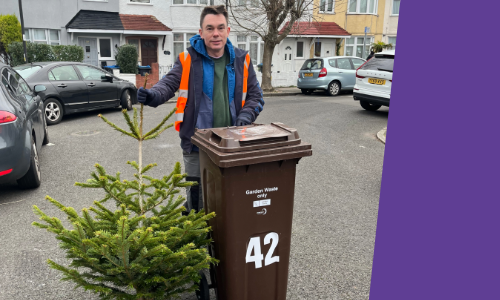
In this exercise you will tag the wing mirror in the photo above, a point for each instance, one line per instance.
(40, 88)
(107, 77)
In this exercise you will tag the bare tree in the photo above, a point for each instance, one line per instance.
(272, 20)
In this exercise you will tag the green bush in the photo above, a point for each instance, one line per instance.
(43, 52)
(10, 31)
(127, 59)
(68, 53)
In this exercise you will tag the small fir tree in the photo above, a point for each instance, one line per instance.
(145, 249)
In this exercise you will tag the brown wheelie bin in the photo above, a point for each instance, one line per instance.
(248, 180)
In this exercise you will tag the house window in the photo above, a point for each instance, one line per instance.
(104, 48)
(193, 2)
(140, 1)
(326, 6)
(241, 42)
(317, 49)
(181, 42)
(395, 7)
(54, 37)
(354, 46)
(300, 50)
(40, 36)
(392, 41)
(362, 6)
(43, 36)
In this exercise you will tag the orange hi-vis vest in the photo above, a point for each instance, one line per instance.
(185, 60)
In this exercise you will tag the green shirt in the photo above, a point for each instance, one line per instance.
(220, 100)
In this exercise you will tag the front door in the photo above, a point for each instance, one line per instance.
(327, 49)
(288, 51)
(89, 50)
(148, 52)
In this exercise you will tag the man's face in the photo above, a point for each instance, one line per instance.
(214, 32)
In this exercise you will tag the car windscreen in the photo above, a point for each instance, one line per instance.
(27, 71)
(380, 63)
(312, 64)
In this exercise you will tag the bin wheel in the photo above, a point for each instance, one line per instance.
(203, 292)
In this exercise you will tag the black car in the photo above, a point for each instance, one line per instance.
(23, 129)
(76, 87)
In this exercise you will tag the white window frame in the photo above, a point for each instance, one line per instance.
(248, 42)
(184, 2)
(297, 48)
(388, 41)
(185, 41)
(370, 40)
(95, 0)
(326, 7)
(53, 41)
(358, 4)
(392, 9)
(138, 3)
(32, 36)
(99, 57)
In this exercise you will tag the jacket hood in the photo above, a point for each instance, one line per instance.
(199, 46)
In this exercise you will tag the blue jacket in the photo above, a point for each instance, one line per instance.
(198, 112)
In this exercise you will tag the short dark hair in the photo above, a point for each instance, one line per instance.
(213, 10)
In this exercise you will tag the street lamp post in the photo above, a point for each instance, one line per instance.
(22, 28)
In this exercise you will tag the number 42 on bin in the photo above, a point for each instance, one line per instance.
(257, 257)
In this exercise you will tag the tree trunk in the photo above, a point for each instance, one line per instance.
(266, 66)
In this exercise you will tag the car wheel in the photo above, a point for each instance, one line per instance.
(368, 106)
(46, 136)
(126, 100)
(53, 111)
(334, 88)
(31, 179)
(306, 91)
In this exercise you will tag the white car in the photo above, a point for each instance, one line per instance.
(374, 81)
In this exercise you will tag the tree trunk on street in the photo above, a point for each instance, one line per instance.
(266, 66)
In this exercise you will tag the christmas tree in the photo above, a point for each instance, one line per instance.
(145, 249)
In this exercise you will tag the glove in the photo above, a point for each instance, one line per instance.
(145, 96)
(243, 119)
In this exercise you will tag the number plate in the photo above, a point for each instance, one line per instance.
(376, 81)
(308, 74)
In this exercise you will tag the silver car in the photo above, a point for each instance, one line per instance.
(331, 74)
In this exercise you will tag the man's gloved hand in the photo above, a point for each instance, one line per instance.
(145, 96)
(243, 119)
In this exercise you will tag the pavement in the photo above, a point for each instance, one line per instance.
(283, 91)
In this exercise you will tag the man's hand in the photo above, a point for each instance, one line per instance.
(243, 119)
(145, 96)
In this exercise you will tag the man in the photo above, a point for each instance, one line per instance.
(217, 88)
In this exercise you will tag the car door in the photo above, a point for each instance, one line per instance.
(33, 105)
(101, 91)
(347, 73)
(72, 90)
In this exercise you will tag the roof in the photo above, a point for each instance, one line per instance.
(142, 22)
(93, 19)
(104, 20)
(316, 28)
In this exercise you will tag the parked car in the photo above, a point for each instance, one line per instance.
(23, 129)
(374, 81)
(76, 87)
(331, 74)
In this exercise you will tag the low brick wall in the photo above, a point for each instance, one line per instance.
(153, 77)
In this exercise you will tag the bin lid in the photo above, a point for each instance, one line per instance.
(256, 143)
